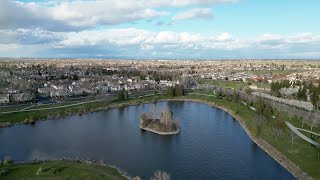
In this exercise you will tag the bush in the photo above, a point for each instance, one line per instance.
(7, 162)
(170, 91)
(3, 172)
(30, 120)
(40, 171)
(120, 96)
(178, 90)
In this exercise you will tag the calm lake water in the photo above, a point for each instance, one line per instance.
(211, 144)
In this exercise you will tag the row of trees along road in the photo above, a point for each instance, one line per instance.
(305, 89)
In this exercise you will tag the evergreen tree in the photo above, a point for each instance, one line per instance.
(259, 106)
(304, 93)
(120, 96)
(314, 96)
(179, 91)
(170, 91)
(299, 95)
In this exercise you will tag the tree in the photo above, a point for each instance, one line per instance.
(235, 96)
(290, 112)
(304, 93)
(179, 91)
(279, 125)
(75, 77)
(120, 96)
(259, 106)
(312, 120)
(293, 136)
(314, 96)
(170, 91)
(154, 112)
(155, 92)
(143, 118)
(267, 111)
(7, 160)
(160, 175)
(126, 94)
(303, 116)
(166, 116)
(259, 120)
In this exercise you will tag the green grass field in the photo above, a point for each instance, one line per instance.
(58, 170)
(231, 84)
(17, 117)
(278, 72)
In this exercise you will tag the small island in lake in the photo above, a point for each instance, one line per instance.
(160, 123)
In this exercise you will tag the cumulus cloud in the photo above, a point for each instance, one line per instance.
(133, 42)
(71, 15)
(204, 13)
(29, 36)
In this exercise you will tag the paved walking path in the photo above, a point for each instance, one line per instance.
(298, 133)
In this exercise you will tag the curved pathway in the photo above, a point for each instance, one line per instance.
(304, 137)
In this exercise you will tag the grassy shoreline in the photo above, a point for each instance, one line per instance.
(60, 169)
(300, 160)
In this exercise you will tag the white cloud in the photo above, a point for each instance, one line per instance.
(66, 15)
(140, 42)
(204, 13)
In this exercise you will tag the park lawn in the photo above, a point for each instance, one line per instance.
(226, 84)
(278, 72)
(47, 113)
(19, 117)
(58, 170)
(232, 84)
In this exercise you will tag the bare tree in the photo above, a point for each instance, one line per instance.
(259, 120)
(290, 112)
(293, 136)
(160, 175)
(312, 120)
(279, 125)
(166, 116)
(276, 131)
(303, 116)
(154, 112)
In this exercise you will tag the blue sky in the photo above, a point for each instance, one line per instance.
(183, 29)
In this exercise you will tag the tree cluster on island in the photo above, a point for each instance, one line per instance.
(160, 121)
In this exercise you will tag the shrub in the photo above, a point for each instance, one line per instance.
(7, 162)
(53, 171)
(160, 175)
(3, 172)
(121, 96)
(40, 171)
(170, 91)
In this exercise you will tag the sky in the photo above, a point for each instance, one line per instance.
(160, 29)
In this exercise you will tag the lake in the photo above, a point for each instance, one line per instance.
(210, 145)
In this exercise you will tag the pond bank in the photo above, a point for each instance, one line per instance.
(63, 169)
(159, 132)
